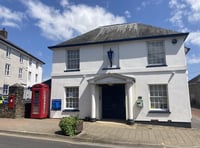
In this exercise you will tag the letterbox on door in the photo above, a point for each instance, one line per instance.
(40, 101)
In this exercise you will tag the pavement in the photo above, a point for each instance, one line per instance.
(106, 132)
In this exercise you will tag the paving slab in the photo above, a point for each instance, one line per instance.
(109, 132)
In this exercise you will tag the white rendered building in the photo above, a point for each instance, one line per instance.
(17, 66)
(132, 72)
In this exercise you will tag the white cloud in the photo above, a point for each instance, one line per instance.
(194, 38)
(186, 16)
(193, 59)
(194, 13)
(127, 13)
(64, 3)
(145, 3)
(73, 20)
(10, 18)
(178, 13)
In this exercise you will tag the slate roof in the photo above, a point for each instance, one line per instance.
(195, 80)
(119, 32)
(20, 49)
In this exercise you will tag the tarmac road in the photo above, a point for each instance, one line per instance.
(21, 142)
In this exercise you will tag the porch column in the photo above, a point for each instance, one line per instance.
(93, 103)
(130, 103)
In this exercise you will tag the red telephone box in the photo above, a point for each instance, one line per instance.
(40, 101)
(11, 102)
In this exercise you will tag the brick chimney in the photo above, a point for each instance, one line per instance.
(4, 33)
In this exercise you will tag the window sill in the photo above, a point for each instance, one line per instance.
(160, 111)
(71, 70)
(149, 66)
(70, 110)
(110, 68)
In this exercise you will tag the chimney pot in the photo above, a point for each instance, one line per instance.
(4, 33)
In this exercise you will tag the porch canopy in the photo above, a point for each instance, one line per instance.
(111, 79)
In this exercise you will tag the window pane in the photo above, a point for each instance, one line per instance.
(5, 89)
(72, 97)
(156, 52)
(158, 97)
(73, 59)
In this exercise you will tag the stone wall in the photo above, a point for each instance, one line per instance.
(19, 108)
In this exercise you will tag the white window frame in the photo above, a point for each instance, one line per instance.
(158, 97)
(8, 52)
(7, 69)
(72, 98)
(156, 53)
(37, 65)
(36, 77)
(30, 62)
(21, 58)
(29, 76)
(5, 89)
(73, 59)
(20, 73)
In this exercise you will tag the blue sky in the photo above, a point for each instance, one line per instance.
(36, 24)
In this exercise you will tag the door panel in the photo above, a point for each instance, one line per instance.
(113, 101)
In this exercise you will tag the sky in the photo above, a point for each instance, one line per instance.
(34, 25)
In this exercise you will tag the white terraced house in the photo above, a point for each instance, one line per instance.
(132, 72)
(17, 66)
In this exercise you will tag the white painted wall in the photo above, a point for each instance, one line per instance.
(132, 62)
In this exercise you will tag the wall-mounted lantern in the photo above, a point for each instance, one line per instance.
(110, 56)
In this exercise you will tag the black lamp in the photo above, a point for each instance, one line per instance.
(110, 56)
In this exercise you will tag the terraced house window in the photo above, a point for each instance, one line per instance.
(156, 53)
(158, 97)
(72, 98)
(7, 69)
(73, 59)
(8, 52)
(20, 73)
(21, 59)
(5, 89)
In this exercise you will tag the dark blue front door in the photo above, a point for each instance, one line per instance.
(113, 101)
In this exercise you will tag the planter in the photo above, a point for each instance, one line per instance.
(71, 126)
(79, 127)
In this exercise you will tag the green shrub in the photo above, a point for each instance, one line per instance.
(68, 125)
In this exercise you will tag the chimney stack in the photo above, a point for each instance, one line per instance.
(4, 33)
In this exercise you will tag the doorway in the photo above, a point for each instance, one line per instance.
(113, 101)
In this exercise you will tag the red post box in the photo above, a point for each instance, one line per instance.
(40, 101)
(11, 102)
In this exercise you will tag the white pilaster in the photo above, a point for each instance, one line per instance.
(93, 103)
(130, 102)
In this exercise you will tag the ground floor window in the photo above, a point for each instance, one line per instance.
(5, 89)
(158, 97)
(72, 97)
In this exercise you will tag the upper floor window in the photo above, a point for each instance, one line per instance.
(8, 52)
(21, 58)
(36, 77)
(20, 73)
(73, 59)
(156, 53)
(30, 62)
(29, 76)
(158, 97)
(7, 69)
(37, 65)
(5, 89)
(72, 97)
